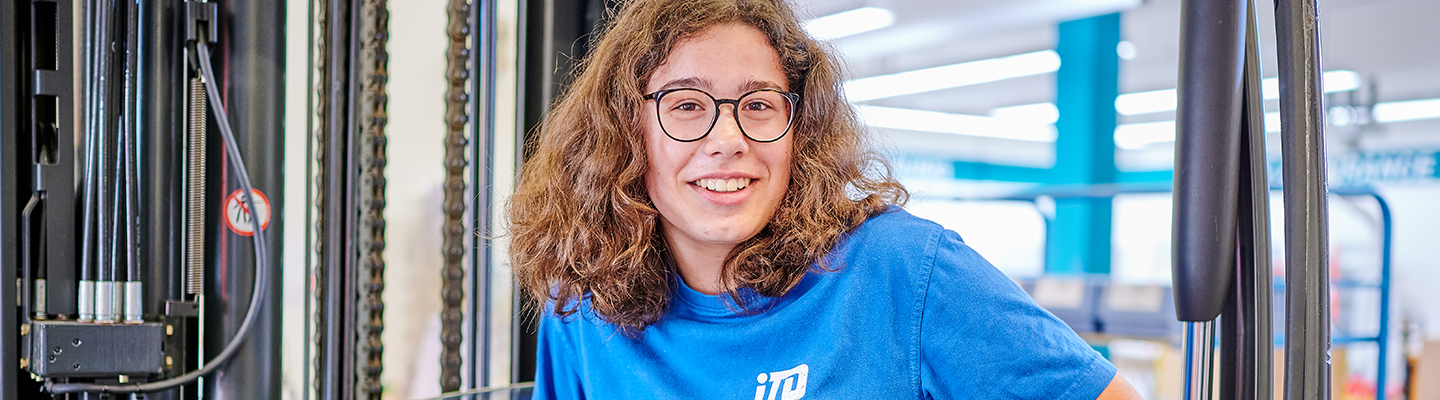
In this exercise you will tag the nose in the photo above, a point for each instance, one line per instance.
(726, 139)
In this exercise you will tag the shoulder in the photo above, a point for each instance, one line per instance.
(895, 221)
(896, 245)
(894, 229)
(574, 327)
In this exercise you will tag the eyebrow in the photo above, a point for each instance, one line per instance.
(691, 82)
(705, 84)
(753, 85)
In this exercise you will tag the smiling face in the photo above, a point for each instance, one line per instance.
(718, 191)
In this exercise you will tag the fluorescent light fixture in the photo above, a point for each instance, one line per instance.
(1039, 113)
(1147, 102)
(1397, 111)
(1167, 99)
(848, 23)
(958, 124)
(952, 76)
(1333, 81)
(1137, 136)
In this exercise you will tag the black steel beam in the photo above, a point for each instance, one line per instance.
(162, 106)
(482, 150)
(336, 373)
(1302, 154)
(57, 175)
(10, 206)
(252, 57)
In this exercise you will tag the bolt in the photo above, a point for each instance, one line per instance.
(52, 359)
(57, 350)
(75, 342)
(76, 366)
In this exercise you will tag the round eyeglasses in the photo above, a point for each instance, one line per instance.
(687, 114)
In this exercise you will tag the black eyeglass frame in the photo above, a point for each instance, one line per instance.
(794, 99)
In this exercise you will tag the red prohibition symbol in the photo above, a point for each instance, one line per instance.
(240, 219)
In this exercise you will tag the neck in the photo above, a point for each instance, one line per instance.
(699, 264)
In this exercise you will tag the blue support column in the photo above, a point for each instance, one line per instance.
(1086, 87)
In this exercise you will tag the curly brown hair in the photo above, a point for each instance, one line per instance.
(582, 222)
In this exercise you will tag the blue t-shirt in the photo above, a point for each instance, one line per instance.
(912, 312)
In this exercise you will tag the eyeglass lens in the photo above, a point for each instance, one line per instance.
(689, 114)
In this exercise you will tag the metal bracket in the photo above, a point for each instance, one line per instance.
(200, 18)
(177, 308)
(72, 349)
(49, 82)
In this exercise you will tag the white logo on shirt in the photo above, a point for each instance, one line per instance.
(784, 385)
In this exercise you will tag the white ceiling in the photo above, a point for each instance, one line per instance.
(1394, 43)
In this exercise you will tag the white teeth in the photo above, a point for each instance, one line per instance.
(724, 185)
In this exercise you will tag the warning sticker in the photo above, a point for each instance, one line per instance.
(238, 217)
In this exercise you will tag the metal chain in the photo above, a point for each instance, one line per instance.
(322, 47)
(374, 32)
(452, 293)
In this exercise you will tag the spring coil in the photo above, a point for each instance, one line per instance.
(195, 219)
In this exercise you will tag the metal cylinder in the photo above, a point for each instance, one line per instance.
(40, 293)
(134, 296)
(86, 299)
(1199, 360)
(252, 38)
(162, 121)
(105, 301)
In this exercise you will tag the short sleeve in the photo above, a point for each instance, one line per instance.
(982, 337)
(556, 363)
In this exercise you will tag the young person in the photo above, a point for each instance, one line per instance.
(702, 219)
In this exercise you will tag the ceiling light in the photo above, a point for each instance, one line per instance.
(951, 76)
(1397, 111)
(1137, 136)
(1040, 113)
(1166, 99)
(1333, 81)
(1146, 102)
(848, 23)
(958, 124)
(1125, 50)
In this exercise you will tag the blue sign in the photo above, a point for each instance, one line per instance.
(1358, 169)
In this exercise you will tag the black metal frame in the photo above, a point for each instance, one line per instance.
(1222, 243)
(482, 148)
(254, 42)
(335, 353)
(9, 187)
